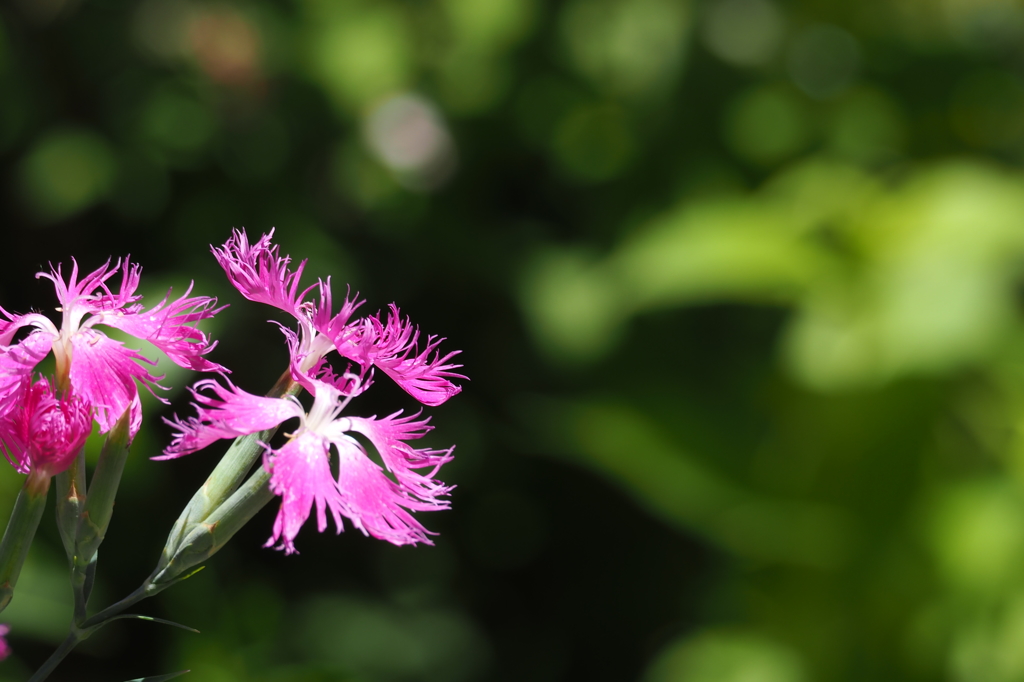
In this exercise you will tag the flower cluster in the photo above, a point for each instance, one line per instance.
(46, 419)
(43, 424)
(378, 501)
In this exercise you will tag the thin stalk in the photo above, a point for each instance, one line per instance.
(95, 513)
(203, 541)
(216, 512)
(72, 640)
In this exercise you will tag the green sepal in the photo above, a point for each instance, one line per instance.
(207, 538)
(99, 504)
(21, 530)
(222, 482)
(225, 479)
(70, 503)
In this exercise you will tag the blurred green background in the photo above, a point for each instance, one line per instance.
(737, 282)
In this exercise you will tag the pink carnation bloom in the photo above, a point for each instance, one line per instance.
(301, 471)
(98, 369)
(5, 648)
(45, 432)
(262, 275)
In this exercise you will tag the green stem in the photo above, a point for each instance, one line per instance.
(21, 529)
(95, 512)
(72, 640)
(202, 542)
(216, 512)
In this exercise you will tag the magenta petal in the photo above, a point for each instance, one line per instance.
(301, 476)
(91, 294)
(393, 347)
(333, 325)
(15, 322)
(228, 413)
(5, 648)
(168, 326)
(103, 371)
(388, 436)
(260, 273)
(375, 504)
(17, 363)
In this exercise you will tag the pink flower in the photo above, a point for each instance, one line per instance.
(262, 275)
(301, 471)
(98, 369)
(46, 431)
(5, 648)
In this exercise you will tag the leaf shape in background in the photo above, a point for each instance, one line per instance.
(617, 441)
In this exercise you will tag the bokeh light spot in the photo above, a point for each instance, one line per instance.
(571, 302)
(823, 60)
(726, 657)
(178, 124)
(473, 84)
(630, 47)
(226, 44)
(867, 127)
(743, 32)
(767, 124)
(362, 57)
(160, 27)
(977, 533)
(409, 136)
(66, 172)
(491, 25)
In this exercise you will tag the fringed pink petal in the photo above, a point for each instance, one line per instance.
(373, 502)
(226, 412)
(18, 361)
(300, 473)
(170, 327)
(260, 273)
(393, 347)
(91, 294)
(333, 325)
(103, 371)
(389, 436)
(10, 326)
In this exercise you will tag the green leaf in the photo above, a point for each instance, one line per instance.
(136, 616)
